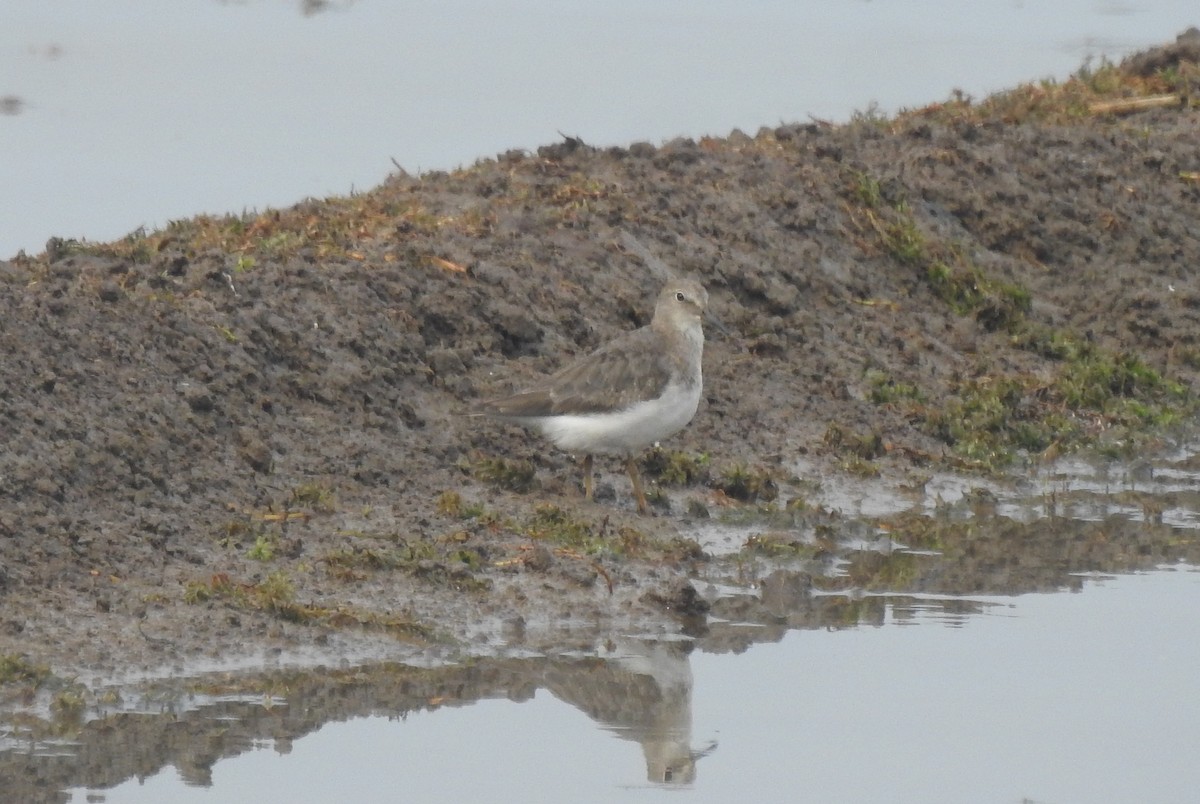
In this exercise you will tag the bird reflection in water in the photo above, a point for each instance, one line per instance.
(640, 690)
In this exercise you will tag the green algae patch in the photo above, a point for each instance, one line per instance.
(275, 595)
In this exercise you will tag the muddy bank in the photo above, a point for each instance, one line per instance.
(244, 437)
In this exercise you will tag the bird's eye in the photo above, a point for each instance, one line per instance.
(679, 296)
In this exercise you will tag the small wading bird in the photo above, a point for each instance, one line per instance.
(627, 395)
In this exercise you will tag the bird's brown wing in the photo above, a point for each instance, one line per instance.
(615, 376)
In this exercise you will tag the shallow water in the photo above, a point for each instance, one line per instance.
(1090, 696)
(1086, 487)
(128, 113)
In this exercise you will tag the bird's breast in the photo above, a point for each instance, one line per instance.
(629, 429)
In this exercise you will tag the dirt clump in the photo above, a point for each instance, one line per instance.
(243, 436)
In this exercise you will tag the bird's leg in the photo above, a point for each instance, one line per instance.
(587, 477)
(631, 467)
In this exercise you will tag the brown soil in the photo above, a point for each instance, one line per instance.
(245, 437)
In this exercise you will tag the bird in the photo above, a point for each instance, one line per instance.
(634, 391)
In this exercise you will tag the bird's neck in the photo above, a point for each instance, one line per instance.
(687, 336)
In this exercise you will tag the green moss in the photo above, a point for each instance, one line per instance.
(886, 390)
(859, 467)
(314, 496)
(280, 244)
(967, 290)
(675, 468)
(903, 240)
(872, 117)
(867, 190)
(553, 524)
(406, 556)
(276, 595)
(1104, 79)
(1056, 101)
(1189, 356)
(990, 419)
(944, 267)
(515, 476)
(449, 503)
(982, 421)
(263, 548)
(747, 484)
(858, 451)
(778, 545)
(16, 669)
(884, 572)
(466, 557)
(865, 446)
(1055, 344)
(219, 586)
(1098, 379)
(68, 704)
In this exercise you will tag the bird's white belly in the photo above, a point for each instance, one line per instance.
(634, 428)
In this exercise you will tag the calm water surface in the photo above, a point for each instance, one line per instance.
(1090, 696)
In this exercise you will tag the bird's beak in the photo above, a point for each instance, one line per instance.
(715, 322)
